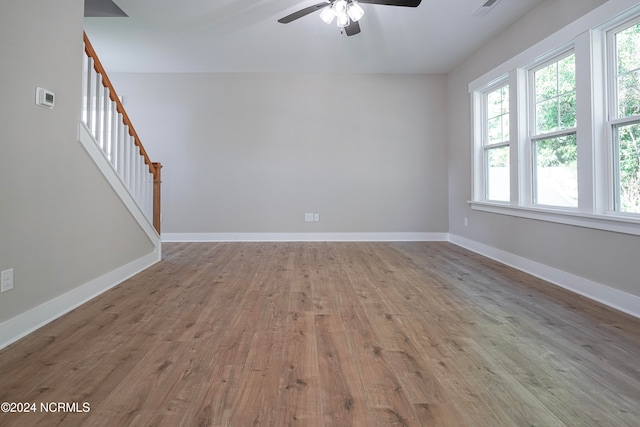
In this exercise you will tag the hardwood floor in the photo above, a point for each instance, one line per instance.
(329, 334)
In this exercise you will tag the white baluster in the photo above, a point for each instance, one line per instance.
(147, 192)
(91, 77)
(145, 189)
(150, 197)
(89, 91)
(134, 174)
(120, 143)
(113, 126)
(106, 124)
(133, 166)
(98, 108)
(140, 177)
(85, 76)
(125, 155)
(130, 160)
(113, 135)
(143, 176)
(138, 180)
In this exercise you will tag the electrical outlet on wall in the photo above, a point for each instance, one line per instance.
(316, 217)
(6, 280)
(308, 217)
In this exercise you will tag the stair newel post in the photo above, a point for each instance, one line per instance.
(157, 180)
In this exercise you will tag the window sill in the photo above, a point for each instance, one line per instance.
(609, 222)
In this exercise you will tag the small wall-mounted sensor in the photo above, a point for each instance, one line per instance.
(45, 98)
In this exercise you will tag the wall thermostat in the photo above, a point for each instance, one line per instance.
(45, 98)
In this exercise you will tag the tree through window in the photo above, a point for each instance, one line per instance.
(496, 144)
(626, 123)
(553, 139)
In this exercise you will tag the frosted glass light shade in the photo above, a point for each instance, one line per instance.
(343, 20)
(355, 11)
(340, 7)
(327, 15)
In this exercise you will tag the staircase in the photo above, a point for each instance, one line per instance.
(113, 143)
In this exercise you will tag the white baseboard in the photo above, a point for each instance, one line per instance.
(304, 237)
(604, 294)
(27, 322)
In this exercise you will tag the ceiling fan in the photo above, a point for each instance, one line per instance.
(102, 9)
(346, 12)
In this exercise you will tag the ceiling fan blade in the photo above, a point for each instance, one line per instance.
(406, 3)
(352, 29)
(302, 12)
(102, 9)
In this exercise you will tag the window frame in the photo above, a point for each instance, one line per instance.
(587, 37)
(533, 137)
(613, 121)
(485, 143)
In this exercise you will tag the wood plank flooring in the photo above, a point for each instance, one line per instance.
(330, 334)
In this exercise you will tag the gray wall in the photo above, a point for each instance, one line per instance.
(604, 257)
(61, 225)
(254, 152)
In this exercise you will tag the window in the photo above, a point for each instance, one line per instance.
(496, 144)
(553, 138)
(625, 116)
(556, 128)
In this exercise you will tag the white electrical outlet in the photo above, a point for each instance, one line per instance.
(308, 217)
(316, 217)
(466, 221)
(6, 280)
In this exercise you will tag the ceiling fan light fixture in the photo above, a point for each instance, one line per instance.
(355, 11)
(343, 20)
(340, 7)
(327, 15)
(348, 12)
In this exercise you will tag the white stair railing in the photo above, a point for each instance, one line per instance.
(108, 122)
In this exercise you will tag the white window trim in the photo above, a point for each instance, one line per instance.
(587, 36)
(613, 221)
(485, 146)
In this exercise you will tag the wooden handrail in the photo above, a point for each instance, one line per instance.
(97, 65)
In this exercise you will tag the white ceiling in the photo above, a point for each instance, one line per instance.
(243, 36)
